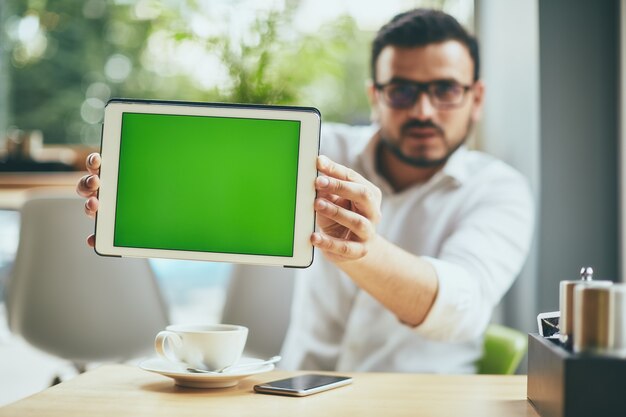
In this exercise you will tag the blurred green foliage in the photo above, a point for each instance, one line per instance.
(68, 57)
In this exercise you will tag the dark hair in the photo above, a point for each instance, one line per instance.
(420, 27)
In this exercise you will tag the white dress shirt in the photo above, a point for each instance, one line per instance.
(472, 221)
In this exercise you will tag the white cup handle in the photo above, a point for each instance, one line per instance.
(175, 342)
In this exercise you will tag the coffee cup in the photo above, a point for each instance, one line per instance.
(208, 346)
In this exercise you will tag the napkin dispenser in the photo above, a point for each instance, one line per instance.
(565, 384)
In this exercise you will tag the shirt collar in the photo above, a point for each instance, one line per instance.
(455, 169)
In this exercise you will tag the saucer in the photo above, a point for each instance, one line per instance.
(184, 378)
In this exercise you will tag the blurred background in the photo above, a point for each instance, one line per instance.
(64, 59)
(553, 111)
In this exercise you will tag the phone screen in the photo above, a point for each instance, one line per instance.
(303, 384)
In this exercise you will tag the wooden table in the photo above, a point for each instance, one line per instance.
(121, 390)
(14, 187)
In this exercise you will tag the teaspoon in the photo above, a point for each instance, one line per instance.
(238, 366)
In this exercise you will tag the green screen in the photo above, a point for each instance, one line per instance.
(211, 184)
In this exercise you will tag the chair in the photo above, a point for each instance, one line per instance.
(72, 303)
(504, 349)
(259, 297)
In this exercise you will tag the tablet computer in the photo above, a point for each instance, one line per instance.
(205, 181)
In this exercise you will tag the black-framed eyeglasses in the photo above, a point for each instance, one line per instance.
(443, 94)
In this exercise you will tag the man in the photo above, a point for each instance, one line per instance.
(421, 237)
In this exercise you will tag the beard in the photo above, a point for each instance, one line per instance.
(422, 161)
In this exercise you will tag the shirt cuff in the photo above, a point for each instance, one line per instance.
(449, 316)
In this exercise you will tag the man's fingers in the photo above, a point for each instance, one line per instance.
(357, 224)
(91, 206)
(88, 185)
(344, 249)
(366, 197)
(93, 163)
(335, 170)
(333, 198)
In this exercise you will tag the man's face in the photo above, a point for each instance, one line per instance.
(424, 134)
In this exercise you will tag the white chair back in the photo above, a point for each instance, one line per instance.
(259, 297)
(66, 300)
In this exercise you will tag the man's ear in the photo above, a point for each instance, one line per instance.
(478, 97)
(370, 89)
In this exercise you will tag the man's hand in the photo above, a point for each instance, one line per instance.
(88, 187)
(348, 209)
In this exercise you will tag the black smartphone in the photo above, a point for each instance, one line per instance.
(303, 385)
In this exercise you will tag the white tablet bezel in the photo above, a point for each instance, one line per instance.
(309, 119)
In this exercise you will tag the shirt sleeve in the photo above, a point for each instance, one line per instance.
(480, 259)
